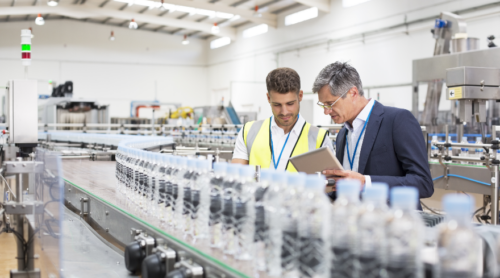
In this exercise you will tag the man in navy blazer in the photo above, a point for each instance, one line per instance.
(377, 143)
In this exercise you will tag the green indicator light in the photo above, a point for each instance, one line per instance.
(26, 47)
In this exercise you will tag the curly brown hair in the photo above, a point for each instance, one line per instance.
(283, 81)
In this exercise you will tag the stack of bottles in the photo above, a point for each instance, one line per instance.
(286, 226)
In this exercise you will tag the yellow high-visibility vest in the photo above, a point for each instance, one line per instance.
(256, 137)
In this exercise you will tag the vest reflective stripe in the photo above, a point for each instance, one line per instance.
(256, 138)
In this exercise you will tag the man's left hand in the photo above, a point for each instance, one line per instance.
(344, 174)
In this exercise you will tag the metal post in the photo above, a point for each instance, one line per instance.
(494, 194)
(19, 220)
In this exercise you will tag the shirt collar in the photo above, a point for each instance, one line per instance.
(363, 115)
(296, 129)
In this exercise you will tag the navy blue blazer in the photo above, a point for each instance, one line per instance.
(393, 150)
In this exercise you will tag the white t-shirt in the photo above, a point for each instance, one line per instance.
(279, 138)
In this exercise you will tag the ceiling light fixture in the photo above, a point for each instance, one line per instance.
(52, 3)
(350, 3)
(112, 37)
(132, 24)
(185, 41)
(257, 13)
(215, 28)
(39, 20)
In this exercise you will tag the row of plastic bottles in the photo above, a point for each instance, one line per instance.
(462, 152)
(286, 225)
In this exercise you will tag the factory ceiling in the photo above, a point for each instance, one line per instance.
(176, 17)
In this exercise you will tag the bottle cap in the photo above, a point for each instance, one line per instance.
(279, 177)
(349, 188)
(201, 165)
(296, 179)
(404, 197)
(181, 162)
(315, 182)
(247, 171)
(192, 164)
(266, 175)
(233, 169)
(220, 168)
(458, 204)
(377, 193)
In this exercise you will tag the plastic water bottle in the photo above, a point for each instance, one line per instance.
(459, 247)
(137, 177)
(200, 194)
(290, 246)
(464, 152)
(434, 151)
(144, 179)
(177, 194)
(372, 235)
(405, 233)
(215, 217)
(479, 151)
(244, 213)
(189, 180)
(344, 229)
(314, 229)
(183, 207)
(153, 184)
(273, 207)
(261, 229)
(228, 188)
(162, 179)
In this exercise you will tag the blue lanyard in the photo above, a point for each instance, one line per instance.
(351, 162)
(284, 145)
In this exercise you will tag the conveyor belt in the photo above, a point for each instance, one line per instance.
(113, 217)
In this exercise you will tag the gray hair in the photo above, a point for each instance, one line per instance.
(340, 77)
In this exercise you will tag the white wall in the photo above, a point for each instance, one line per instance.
(138, 65)
(381, 59)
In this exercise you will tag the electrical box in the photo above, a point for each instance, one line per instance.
(22, 112)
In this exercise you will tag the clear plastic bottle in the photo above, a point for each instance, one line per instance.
(434, 151)
(162, 180)
(261, 229)
(405, 233)
(244, 213)
(216, 192)
(479, 150)
(228, 188)
(144, 179)
(464, 151)
(290, 247)
(201, 200)
(314, 229)
(273, 206)
(189, 180)
(148, 187)
(137, 178)
(182, 208)
(372, 235)
(154, 186)
(458, 244)
(177, 194)
(344, 229)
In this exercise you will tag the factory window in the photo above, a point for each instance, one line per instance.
(255, 31)
(301, 16)
(220, 42)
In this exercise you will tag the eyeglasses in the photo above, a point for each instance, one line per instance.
(328, 107)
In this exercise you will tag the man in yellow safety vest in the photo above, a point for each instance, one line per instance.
(271, 142)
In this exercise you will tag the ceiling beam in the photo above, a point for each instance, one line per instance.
(267, 18)
(82, 12)
(322, 5)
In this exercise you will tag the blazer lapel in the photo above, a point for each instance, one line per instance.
(340, 145)
(370, 135)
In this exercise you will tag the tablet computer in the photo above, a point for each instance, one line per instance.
(316, 161)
